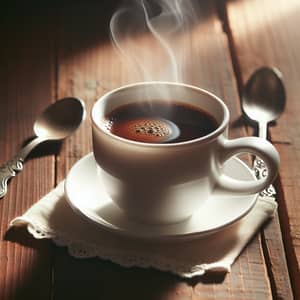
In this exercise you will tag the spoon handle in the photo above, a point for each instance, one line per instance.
(7, 171)
(259, 167)
(30, 146)
(262, 130)
(11, 167)
(261, 171)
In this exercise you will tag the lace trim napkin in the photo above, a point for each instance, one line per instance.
(53, 218)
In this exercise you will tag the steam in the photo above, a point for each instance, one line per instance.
(142, 28)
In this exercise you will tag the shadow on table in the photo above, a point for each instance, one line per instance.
(44, 149)
(106, 280)
(55, 272)
(33, 267)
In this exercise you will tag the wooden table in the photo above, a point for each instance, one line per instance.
(51, 50)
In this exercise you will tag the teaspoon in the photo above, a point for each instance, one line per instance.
(57, 121)
(263, 101)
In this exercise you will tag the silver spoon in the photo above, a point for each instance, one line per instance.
(263, 101)
(57, 121)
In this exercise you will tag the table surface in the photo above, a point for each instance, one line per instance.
(51, 50)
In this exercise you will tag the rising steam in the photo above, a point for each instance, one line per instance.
(143, 27)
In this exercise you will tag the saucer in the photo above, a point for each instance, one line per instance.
(87, 196)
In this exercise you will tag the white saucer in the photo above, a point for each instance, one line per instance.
(86, 196)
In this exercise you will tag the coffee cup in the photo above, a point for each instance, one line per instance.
(151, 167)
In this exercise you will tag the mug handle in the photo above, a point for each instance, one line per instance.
(254, 145)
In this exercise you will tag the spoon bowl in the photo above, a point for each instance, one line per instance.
(60, 119)
(263, 99)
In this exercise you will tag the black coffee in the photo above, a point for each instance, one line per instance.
(159, 121)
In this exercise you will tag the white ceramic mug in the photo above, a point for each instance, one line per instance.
(166, 183)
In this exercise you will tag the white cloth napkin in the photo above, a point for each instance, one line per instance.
(53, 218)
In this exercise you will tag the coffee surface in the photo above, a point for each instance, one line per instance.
(158, 121)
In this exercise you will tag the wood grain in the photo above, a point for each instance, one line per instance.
(264, 33)
(51, 51)
(88, 66)
(27, 87)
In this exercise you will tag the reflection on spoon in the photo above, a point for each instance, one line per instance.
(263, 100)
(56, 122)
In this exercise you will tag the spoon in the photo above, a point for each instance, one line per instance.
(263, 101)
(57, 121)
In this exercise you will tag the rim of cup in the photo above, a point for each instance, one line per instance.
(209, 137)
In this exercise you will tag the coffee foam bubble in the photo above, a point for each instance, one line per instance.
(152, 130)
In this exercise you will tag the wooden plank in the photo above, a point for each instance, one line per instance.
(27, 86)
(276, 260)
(88, 67)
(265, 33)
